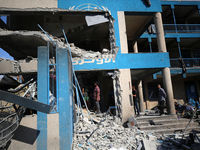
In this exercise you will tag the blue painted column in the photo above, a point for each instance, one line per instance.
(42, 88)
(64, 99)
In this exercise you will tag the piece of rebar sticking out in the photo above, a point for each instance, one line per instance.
(108, 111)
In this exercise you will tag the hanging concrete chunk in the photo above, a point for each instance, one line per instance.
(97, 19)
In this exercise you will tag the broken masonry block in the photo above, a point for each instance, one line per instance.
(132, 122)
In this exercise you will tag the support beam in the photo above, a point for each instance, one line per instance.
(166, 71)
(65, 99)
(141, 99)
(125, 74)
(140, 91)
(146, 95)
(27, 103)
(43, 90)
(135, 47)
(160, 32)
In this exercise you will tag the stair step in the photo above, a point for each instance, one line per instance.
(168, 126)
(162, 122)
(146, 118)
(173, 130)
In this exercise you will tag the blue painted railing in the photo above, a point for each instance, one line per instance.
(189, 62)
(182, 28)
(178, 28)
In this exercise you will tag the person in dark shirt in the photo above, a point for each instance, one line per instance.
(135, 100)
(162, 96)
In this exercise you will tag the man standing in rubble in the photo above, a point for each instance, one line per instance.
(96, 96)
(162, 96)
(135, 100)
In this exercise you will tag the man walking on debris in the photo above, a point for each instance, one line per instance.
(162, 96)
(96, 96)
(135, 100)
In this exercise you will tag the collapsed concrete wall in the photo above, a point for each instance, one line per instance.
(24, 43)
(17, 67)
(21, 36)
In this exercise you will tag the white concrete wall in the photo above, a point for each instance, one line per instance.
(28, 3)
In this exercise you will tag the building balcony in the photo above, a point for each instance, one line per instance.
(181, 28)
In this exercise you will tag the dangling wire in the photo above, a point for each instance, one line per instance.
(76, 81)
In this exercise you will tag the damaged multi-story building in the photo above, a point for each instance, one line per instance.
(117, 43)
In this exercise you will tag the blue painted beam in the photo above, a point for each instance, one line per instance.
(180, 2)
(114, 5)
(64, 100)
(126, 61)
(42, 89)
(179, 71)
(173, 35)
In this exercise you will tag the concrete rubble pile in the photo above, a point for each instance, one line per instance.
(107, 135)
(78, 53)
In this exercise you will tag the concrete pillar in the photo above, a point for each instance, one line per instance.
(140, 91)
(166, 71)
(169, 91)
(135, 47)
(160, 32)
(122, 32)
(146, 95)
(126, 94)
(141, 99)
(125, 74)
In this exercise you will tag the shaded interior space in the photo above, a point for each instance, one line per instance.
(93, 37)
(189, 51)
(147, 47)
(187, 48)
(183, 14)
(153, 93)
(87, 79)
(139, 74)
(136, 24)
(183, 88)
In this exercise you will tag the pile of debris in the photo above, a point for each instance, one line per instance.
(79, 53)
(107, 135)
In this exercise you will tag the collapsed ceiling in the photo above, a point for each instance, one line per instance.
(21, 36)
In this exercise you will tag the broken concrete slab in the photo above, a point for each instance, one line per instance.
(21, 44)
(18, 67)
(149, 145)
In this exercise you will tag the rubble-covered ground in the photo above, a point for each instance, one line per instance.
(107, 135)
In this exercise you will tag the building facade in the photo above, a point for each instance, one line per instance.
(117, 43)
(181, 29)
